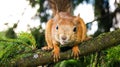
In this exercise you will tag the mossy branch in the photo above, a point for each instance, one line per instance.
(39, 57)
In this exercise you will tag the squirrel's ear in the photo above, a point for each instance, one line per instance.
(76, 19)
(79, 15)
(58, 16)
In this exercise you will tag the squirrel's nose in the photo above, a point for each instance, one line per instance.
(64, 37)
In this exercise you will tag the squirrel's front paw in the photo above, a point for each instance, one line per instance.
(75, 52)
(56, 55)
(47, 48)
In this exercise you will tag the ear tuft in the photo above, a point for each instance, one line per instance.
(79, 15)
(58, 16)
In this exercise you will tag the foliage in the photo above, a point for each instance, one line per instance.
(69, 63)
(10, 49)
(39, 36)
(102, 10)
(113, 56)
(10, 33)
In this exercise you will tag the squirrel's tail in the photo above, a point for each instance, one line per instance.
(60, 6)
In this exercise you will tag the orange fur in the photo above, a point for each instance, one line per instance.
(64, 29)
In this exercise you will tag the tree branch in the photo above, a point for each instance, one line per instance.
(99, 43)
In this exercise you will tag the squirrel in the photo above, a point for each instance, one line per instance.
(64, 29)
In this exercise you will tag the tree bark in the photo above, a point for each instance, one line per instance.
(39, 57)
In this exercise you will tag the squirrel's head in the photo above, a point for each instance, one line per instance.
(66, 30)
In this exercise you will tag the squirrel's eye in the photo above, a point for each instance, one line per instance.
(74, 30)
(57, 27)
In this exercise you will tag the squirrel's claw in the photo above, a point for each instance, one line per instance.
(56, 55)
(47, 48)
(75, 52)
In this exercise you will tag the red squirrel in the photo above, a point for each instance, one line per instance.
(64, 29)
